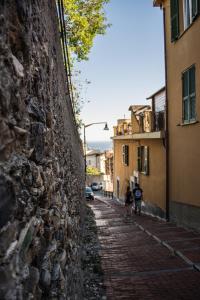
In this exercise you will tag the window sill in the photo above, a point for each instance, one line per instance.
(144, 173)
(189, 123)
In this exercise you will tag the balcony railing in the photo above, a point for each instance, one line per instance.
(151, 122)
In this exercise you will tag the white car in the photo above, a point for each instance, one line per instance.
(95, 186)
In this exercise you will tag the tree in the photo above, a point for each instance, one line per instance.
(84, 20)
(92, 171)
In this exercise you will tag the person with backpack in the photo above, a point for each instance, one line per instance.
(128, 202)
(138, 196)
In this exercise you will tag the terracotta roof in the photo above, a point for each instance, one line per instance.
(139, 108)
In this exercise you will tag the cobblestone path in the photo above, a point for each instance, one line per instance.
(136, 265)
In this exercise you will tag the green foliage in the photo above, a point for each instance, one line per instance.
(84, 20)
(92, 171)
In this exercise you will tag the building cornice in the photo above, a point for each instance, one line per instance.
(141, 136)
(157, 2)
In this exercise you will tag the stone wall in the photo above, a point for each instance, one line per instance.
(41, 161)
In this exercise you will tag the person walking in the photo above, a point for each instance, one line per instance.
(128, 202)
(138, 196)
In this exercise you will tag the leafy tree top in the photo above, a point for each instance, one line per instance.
(92, 171)
(84, 20)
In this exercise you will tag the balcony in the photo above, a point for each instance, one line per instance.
(125, 130)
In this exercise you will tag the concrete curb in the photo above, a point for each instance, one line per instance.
(170, 248)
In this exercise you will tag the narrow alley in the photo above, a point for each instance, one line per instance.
(143, 258)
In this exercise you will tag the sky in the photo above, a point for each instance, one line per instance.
(125, 66)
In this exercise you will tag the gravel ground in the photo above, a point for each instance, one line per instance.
(91, 262)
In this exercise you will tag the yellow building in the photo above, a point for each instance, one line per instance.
(182, 61)
(139, 154)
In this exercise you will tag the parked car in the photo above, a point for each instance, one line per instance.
(95, 186)
(89, 193)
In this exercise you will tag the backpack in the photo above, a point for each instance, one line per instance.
(138, 193)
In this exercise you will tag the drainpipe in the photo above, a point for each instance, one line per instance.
(167, 124)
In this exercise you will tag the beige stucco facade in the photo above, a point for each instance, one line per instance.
(184, 139)
(123, 173)
(152, 182)
(154, 185)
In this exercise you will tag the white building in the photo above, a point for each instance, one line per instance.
(96, 159)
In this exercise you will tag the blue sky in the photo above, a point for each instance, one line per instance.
(125, 66)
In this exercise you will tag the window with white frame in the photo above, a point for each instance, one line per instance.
(190, 11)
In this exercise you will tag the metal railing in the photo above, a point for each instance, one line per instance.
(108, 194)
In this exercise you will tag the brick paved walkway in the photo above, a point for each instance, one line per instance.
(137, 265)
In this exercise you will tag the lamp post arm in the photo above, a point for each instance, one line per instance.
(87, 125)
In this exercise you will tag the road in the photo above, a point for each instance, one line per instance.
(136, 265)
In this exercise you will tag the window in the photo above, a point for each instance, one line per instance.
(189, 95)
(143, 159)
(174, 8)
(125, 155)
(190, 11)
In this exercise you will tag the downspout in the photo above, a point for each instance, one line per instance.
(167, 123)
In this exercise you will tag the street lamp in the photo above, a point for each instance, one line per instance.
(84, 137)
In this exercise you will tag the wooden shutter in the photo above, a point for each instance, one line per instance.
(185, 83)
(139, 159)
(195, 8)
(189, 95)
(127, 155)
(192, 94)
(174, 7)
(146, 160)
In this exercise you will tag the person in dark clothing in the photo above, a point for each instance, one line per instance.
(128, 202)
(138, 196)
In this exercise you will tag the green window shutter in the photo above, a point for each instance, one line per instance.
(146, 160)
(195, 8)
(174, 7)
(185, 82)
(192, 94)
(189, 95)
(139, 159)
(126, 155)
(192, 80)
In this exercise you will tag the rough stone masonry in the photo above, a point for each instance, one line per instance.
(41, 161)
